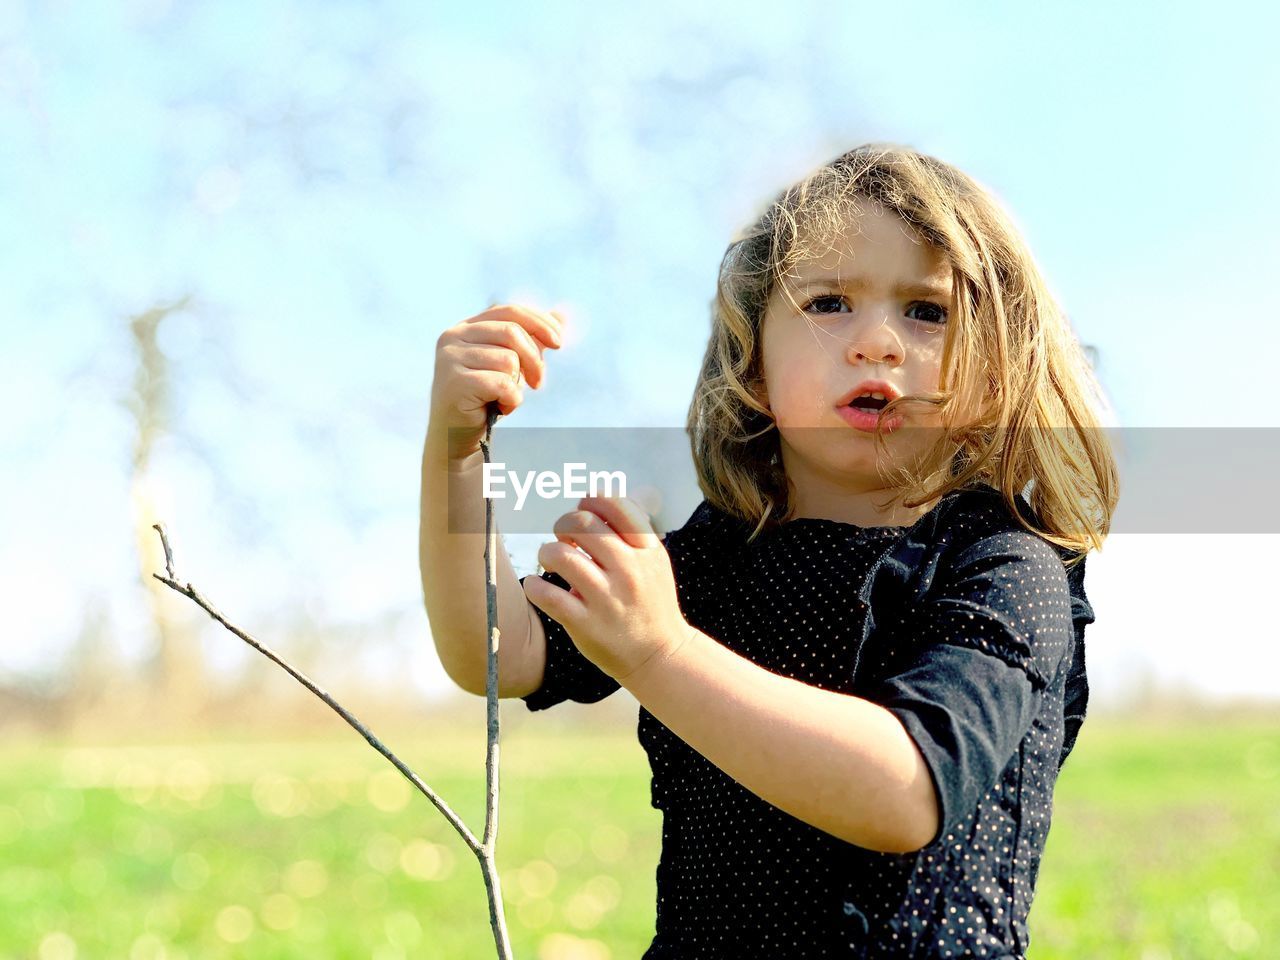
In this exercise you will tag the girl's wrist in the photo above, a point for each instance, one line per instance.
(452, 459)
(465, 463)
(658, 657)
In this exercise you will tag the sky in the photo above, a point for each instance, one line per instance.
(332, 185)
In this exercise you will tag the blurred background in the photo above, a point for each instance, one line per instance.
(232, 233)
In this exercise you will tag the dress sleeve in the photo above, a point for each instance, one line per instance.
(986, 638)
(1077, 692)
(569, 674)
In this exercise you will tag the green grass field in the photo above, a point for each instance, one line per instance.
(1165, 845)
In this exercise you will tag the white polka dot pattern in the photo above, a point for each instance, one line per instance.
(968, 639)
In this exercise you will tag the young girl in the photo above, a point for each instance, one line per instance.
(860, 662)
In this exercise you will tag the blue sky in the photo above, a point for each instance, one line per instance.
(335, 184)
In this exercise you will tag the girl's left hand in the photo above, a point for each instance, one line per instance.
(622, 609)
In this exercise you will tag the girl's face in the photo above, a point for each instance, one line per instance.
(873, 308)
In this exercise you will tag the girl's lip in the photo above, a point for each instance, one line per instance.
(890, 392)
(866, 420)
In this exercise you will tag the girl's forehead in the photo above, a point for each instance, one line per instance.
(839, 238)
(855, 262)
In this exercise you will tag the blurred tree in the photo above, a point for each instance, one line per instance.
(176, 688)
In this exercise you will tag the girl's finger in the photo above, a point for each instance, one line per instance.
(557, 602)
(504, 337)
(539, 325)
(485, 357)
(626, 517)
(587, 530)
(576, 567)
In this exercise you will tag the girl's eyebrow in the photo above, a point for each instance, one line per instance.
(902, 289)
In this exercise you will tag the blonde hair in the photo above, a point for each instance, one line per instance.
(1037, 424)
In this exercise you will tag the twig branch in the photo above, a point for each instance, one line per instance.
(484, 850)
(187, 590)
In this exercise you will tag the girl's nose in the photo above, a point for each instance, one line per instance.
(877, 344)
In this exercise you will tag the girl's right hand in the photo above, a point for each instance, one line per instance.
(481, 360)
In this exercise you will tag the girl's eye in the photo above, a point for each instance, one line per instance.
(933, 312)
(828, 299)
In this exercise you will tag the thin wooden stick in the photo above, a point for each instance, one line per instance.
(483, 850)
(487, 864)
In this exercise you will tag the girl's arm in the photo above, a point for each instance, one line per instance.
(839, 763)
(479, 363)
(453, 581)
(892, 777)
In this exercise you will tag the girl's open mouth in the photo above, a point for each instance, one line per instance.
(861, 406)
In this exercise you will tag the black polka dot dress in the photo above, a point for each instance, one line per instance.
(964, 625)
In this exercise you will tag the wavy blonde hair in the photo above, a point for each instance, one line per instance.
(1038, 424)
